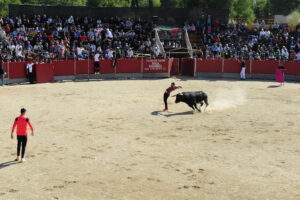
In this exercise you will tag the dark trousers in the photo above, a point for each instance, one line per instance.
(22, 141)
(96, 67)
(31, 77)
(166, 96)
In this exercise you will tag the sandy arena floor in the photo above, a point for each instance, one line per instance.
(109, 140)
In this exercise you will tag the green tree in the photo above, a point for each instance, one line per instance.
(4, 5)
(242, 9)
(171, 3)
(261, 8)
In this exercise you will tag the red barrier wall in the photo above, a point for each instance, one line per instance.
(63, 67)
(264, 67)
(175, 67)
(234, 66)
(44, 73)
(5, 68)
(66, 67)
(156, 66)
(188, 67)
(106, 67)
(16, 70)
(209, 65)
(292, 68)
(129, 66)
(84, 67)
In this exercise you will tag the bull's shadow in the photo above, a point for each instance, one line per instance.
(171, 114)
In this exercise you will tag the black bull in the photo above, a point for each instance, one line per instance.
(192, 98)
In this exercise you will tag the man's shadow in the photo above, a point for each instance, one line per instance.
(273, 86)
(7, 164)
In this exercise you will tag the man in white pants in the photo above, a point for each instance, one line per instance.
(243, 70)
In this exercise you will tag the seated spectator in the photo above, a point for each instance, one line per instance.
(298, 56)
(129, 53)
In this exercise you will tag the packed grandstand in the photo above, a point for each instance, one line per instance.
(46, 37)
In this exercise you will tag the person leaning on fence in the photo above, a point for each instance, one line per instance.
(96, 63)
(2, 72)
(243, 70)
(30, 72)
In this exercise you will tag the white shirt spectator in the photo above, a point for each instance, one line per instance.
(156, 51)
(129, 53)
(29, 67)
(96, 57)
(298, 56)
(110, 54)
(108, 34)
(71, 20)
(267, 34)
(262, 34)
(284, 53)
(80, 51)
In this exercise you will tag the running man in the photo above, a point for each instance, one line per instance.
(167, 94)
(21, 122)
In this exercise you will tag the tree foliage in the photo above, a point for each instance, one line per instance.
(238, 8)
(242, 9)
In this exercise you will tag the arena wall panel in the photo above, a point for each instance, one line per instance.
(157, 65)
(209, 65)
(106, 67)
(84, 67)
(188, 67)
(234, 66)
(129, 66)
(264, 67)
(64, 67)
(292, 68)
(16, 70)
(175, 67)
(44, 73)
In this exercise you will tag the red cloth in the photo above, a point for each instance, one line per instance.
(279, 76)
(21, 122)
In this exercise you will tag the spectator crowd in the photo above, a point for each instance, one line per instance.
(238, 40)
(45, 37)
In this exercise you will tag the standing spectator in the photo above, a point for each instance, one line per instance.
(96, 63)
(2, 72)
(30, 72)
(243, 70)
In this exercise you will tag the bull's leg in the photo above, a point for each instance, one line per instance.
(191, 105)
(201, 103)
(195, 105)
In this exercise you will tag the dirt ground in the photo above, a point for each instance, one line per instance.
(110, 140)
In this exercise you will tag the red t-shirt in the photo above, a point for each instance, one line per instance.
(21, 122)
(171, 89)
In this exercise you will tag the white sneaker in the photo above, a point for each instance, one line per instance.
(23, 160)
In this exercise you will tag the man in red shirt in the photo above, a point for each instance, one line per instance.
(167, 94)
(21, 123)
